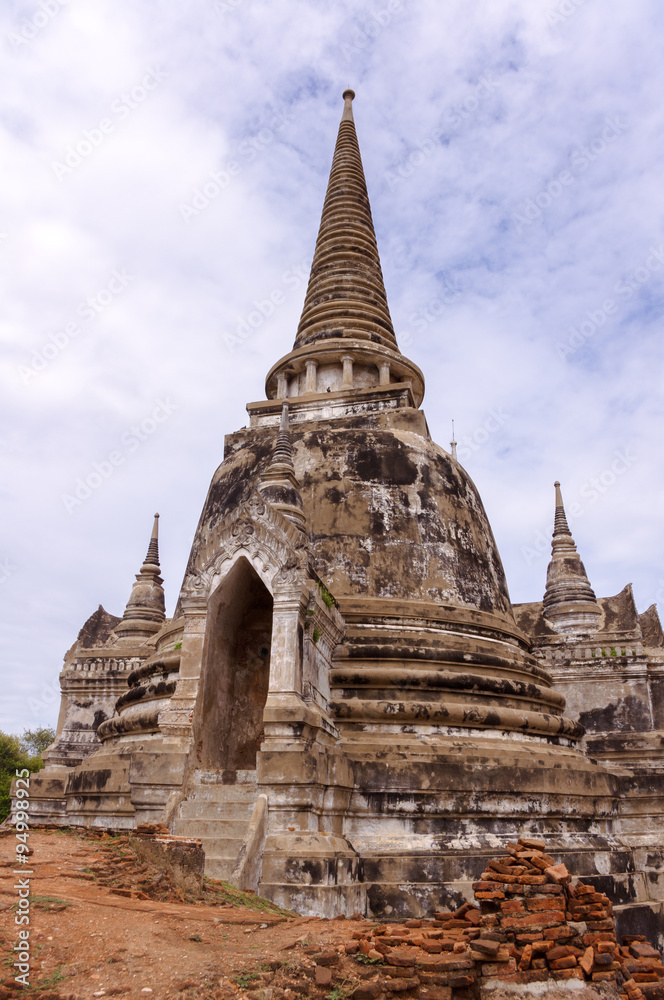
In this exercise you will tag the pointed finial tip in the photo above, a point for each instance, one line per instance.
(156, 515)
(348, 94)
(556, 483)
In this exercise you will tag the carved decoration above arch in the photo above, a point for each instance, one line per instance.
(272, 544)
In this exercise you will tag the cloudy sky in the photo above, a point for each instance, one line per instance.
(164, 171)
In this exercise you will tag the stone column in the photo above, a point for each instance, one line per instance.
(384, 373)
(347, 382)
(312, 368)
(177, 719)
(282, 386)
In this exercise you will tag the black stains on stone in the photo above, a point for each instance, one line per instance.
(389, 464)
(627, 713)
(377, 524)
(334, 495)
(99, 717)
(97, 629)
(640, 920)
(88, 781)
(158, 689)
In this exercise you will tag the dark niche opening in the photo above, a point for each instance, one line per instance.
(236, 671)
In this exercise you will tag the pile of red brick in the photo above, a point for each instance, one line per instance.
(532, 925)
(553, 930)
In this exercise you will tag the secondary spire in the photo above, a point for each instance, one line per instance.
(146, 607)
(278, 484)
(346, 293)
(569, 603)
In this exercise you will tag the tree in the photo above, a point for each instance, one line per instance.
(17, 752)
(35, 741)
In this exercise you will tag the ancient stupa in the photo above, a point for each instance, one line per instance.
(345, 706)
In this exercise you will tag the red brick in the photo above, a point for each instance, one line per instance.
(323, 975)
(513, 906)
(568, 974)
(444, 963)
(458, 982)
(532, 843)
(600, 977)
(559, 951)
(641, 949)
(403, 972)
(400, 985)
(558, 874)
(534, 920)
(531, 976)
(490, 895)
(497, 968)
(484, 886)
(366, 991)
(433, 979)
(534, 903)
(558, 933)
(568, 962)
(600, 925)
(494, 876)
(526, 958)
(587, 961)
(592, 937)
(532, 879)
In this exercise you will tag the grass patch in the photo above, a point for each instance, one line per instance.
(228, 895)
(52, 979)
(244, 979)
(49, 902)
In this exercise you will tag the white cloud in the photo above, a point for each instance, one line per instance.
(258, 86)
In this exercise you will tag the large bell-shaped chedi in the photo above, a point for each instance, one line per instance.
(343, 661)
(430, 730)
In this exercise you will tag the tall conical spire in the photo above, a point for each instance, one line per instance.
(146, 607)
(152, 557)
(569, 602)
(279, 484)
(346, 294)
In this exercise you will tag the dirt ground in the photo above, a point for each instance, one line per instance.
(85, 938)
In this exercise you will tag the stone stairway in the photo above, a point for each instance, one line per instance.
(218, 815)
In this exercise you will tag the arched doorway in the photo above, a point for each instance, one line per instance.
(236, 671)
